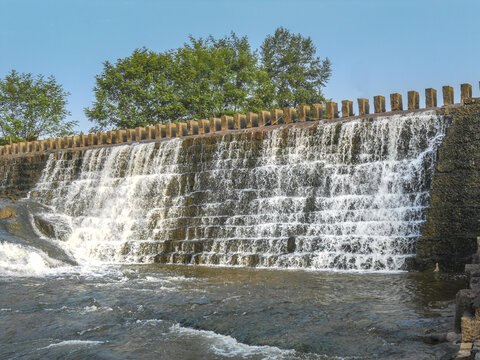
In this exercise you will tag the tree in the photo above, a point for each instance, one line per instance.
(294, 70)
(207, 77)
(32, 107)
(204, 78)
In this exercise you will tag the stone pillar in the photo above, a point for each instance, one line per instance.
(215, 124)
(363, 106)
(75, 141)
(276, 117)
(317, 112)
(204, 126)
(102, 138)
(34, 146)
(119, 136)
(181, 130)
(252, 120)
(413, 100)
(430, 98)
(14, 148)
(58, 143)
(447, 95)
(466, 92)
(150, 132)
(7, 150)
(332, 110)
(171, 130)
(396, 103)
(347, 108)
(20, 147)
(131, 133)
(304, 113)
(290, 115)
(50, 144)
(92, 139)
(264, 118)
(227, 122)
(67, 142)
(160, 131)
(239, 121)
(379, 104)
(110, 137)
(140, 133)
(192, 127)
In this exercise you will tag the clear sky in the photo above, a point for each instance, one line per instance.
(377, 47)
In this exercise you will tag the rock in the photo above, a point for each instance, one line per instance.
(7, 213)
(453, 337)
(291, 244)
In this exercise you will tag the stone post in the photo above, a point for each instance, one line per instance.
(160, 131)
(67, 142)
(304, 113)
(7, 150)
(413, 100)
(102, 138)
(150, 132)
(290, 115)
(58, 143)
(20, 147)
(379, 104)
(239, 121)
(140, 133)
(227, 122)
(50, 144)
(192, 127)
(252, 120)
(447, 95)
(332, 110)
(396, 103)
(276, 117)
(14, 148)
(171, 130)
(317, 112)
(466, 92)
(181, 130)
(264, 118)
(92, 139)
(430, 98)
(363, 106)
(204, 126)
(347, 108)
(215, 124)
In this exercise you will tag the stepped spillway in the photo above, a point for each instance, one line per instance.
(346, 195)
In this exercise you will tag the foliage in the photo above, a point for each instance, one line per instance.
(294, 70)
(203, 78)
(32, 107)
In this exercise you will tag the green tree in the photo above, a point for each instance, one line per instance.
(32, 107)
(295, 72)
(207, 77)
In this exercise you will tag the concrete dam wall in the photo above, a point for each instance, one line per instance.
(362, 193)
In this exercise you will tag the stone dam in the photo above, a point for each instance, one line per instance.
(284, 189)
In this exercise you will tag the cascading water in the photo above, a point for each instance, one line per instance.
(324, 196)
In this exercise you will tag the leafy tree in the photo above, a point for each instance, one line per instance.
(32, 107)
(294, 70)
(206, 78)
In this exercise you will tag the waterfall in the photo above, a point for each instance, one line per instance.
(346, 195)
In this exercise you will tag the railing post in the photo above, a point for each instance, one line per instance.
(430, 98)
(276, 117)
(252, 120)
(379, 104)
(227, 122)
(332, 110)
(263, 118)
(363, 106)
(447, 95)
(396, 103)
(466, 92)
(413, 100)
(290, 115)
(347, 108)
(304, 113)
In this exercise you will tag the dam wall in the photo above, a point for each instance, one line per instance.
(285, 188)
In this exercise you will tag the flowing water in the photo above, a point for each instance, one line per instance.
(314, 224)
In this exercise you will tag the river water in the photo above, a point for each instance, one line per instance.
(188, 312)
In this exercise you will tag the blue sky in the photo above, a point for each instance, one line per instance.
(377, 47)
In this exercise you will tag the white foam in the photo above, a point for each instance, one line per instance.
(74, 343)
(229, 347)
(21, 260)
